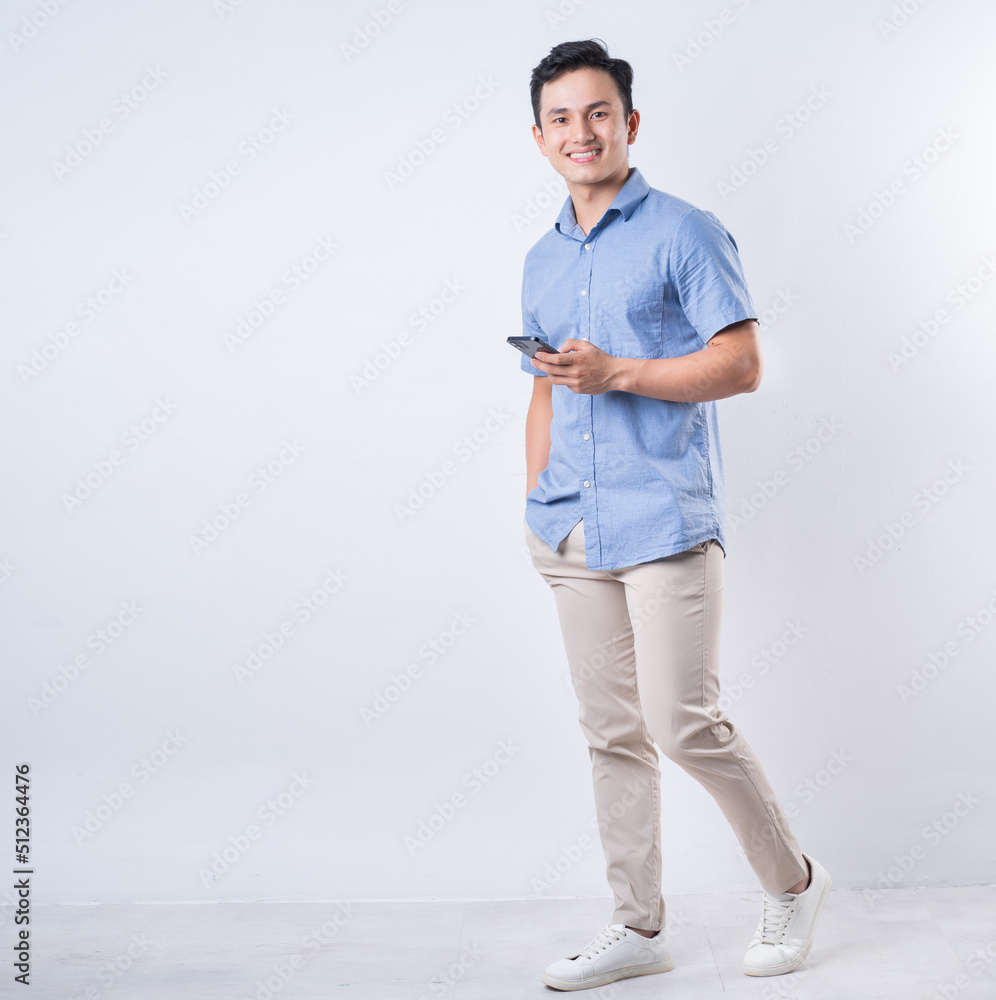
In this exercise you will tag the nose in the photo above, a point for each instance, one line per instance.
(582, 133)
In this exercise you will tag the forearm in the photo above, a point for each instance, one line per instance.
(718, 371)
(538, 419)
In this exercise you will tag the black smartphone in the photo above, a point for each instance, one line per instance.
(530, 345)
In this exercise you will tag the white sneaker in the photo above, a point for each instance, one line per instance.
(788, 925)
(614, 953)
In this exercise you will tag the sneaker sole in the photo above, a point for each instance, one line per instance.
(627, 972)
(780, 970)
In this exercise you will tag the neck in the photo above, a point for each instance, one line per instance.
(591, 200)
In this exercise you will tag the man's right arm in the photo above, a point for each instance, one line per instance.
(538, 419)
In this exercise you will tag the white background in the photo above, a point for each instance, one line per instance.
(853, 272)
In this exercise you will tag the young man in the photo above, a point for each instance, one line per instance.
(644, 297)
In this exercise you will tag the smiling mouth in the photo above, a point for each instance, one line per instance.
(584, 155)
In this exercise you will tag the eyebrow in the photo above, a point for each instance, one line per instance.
(560, 111)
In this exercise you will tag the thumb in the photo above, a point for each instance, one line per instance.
(572, 345)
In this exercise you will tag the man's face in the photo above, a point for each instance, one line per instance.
(585, 132)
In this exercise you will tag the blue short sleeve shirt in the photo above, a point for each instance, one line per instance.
(655, 278)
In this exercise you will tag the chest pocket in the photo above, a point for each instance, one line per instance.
(627, 308)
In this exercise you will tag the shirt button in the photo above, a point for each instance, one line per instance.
(587, 246)
(587, 436)
(587, 483)
(584, 291)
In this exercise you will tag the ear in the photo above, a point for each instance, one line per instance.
(633, 126)
(538, 136)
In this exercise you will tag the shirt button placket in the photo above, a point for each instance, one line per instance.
(586, 255)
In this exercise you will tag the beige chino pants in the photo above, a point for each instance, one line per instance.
(643, 645)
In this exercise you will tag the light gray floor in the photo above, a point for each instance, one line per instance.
(911, 944)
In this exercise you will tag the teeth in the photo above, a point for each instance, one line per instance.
(584, 155)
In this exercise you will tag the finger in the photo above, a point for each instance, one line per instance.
(553, 359)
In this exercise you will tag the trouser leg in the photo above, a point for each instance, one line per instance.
(598, 638)
(676, 606)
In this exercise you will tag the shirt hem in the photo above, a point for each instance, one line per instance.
(664, 553)
(560, 531)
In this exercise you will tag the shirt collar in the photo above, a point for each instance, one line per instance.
(630, 195)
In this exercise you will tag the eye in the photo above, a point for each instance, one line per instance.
(598, 113)
(555, 120)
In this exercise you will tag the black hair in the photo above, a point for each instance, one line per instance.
(590, 54)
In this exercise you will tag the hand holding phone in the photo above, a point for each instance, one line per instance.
(530, 345)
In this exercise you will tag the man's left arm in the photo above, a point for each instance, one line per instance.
(703, 266)
(729, 364)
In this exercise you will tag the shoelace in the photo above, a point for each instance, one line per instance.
(775, 916)
(606, 936)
